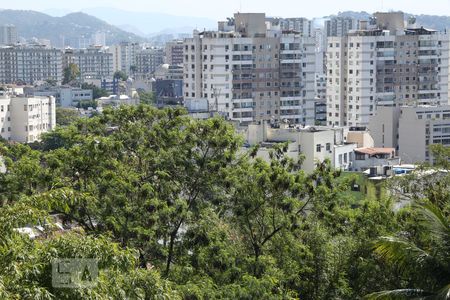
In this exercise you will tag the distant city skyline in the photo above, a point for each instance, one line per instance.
(220, 10)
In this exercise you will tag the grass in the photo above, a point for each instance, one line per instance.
(367, 188)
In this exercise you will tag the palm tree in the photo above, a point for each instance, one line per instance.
(430, 263)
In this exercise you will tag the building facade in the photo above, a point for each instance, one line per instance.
(124, 56)
(93, 63)
(28, 65)
(24, 119)
(411, 130)
(8, 35)
(384, 65)
(174, 53)
(147, 61)
(339, 26)
(249, 72)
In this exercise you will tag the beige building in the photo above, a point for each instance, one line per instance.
(174, 53)
(360, 136)
(416, 128)
(24, 119)
(385, 64)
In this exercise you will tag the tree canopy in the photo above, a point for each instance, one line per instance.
(173, 208)
(71, 74)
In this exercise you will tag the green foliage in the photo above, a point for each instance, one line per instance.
(120, 75)
(66, 116)
(173, 209)
(96, 91)
(51, 82)
(85, 104)
(146, 97)
(71, 74)
(427, 265)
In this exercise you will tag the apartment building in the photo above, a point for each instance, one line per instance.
(320, 104)
(93, 63)
(65, 96)
(384, 64)
(8, 35)
(124, 56)
(147, 61)
(24, 119)
(301, 25)
(249, 71)
(174, 53)
(28, 65)
(339, 26)
(411, 129)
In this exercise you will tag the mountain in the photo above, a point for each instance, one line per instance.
(71, 27)
(151, 23)
(427, 21)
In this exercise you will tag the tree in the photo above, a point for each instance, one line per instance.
(96, 91)
(176, 208)
(120, 75)
(428, 264)
(147, 97)
(66, 116)
(85, 104)
(26, 264)
(71, 73)
(133, 69)
(51, 82)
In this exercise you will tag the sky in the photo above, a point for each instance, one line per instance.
(221, 9)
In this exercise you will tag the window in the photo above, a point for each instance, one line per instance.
(318, 148)
(360, 156)
(328, 147)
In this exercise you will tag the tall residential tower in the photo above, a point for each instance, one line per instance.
(251, 70)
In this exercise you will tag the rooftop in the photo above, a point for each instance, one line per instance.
(375, 151)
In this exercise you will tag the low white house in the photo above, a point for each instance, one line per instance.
(117, 100)
(375, 159)
(316, 144)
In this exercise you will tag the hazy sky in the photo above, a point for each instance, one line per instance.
(220, 9)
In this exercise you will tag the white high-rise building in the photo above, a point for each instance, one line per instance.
(30, 64)
(339, 26)
(98, 38)
(248, 72)
(93, 63)
(147, 61)
(124, 56)
(24, 119)
(384, 65)
(8, 35)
